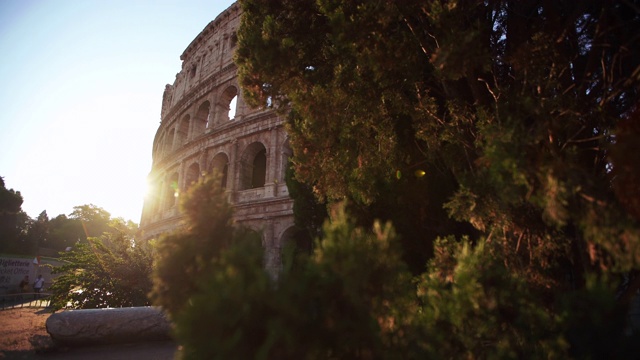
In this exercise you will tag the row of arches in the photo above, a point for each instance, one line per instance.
(250, 172)
(190, 127)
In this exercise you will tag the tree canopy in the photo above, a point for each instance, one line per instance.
(499, 139)
(20, 234)
(355, 298)
(10, 215)
(506, 120)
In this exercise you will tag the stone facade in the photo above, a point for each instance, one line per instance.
(205, 124)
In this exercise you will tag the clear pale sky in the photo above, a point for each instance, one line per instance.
(81, 85)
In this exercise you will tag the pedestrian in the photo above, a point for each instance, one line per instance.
(37, 286)
(24, 284)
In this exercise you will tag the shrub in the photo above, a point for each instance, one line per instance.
(110, 271)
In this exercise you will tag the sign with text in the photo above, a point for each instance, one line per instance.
(12, 271)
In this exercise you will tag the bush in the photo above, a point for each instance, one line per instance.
(347, 301)
(354, 298)
(110, 271)
(351, 299)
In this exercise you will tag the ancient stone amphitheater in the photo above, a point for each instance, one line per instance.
(206, 125)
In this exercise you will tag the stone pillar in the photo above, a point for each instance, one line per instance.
(271, 183)
(182, 174)
(272, 259)
(233, 170)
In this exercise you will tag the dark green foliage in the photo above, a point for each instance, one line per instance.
(64, 232)
(514, 123)
(57, 234)
(226, 311)
(183, 258)
(10, 216)
(309, 214)
(354, 298)
(351, 299)
(601, 334)
(473, 307)
(85, 221)
(514, 117)
(111, 271)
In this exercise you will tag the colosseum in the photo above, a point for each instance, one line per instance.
(206, 125)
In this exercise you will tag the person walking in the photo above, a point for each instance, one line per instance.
(38, 284)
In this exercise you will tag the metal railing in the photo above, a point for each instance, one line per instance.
(24, 300)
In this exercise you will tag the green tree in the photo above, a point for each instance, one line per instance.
(473, 307)
(501, 115)
(113, 270)
(514, 123)
(64, 232)
(309, 215)
(85, 221)
(37, 231)
(10, 219)
(95, 220)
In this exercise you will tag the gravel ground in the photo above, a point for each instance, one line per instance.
(23, 333)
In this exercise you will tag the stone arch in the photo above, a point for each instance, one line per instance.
(233, 40)
(168, 145)
(158, 148)
(227, 104)
(192, 176)
(201, 121)
(156, 199)
(220, 163)
(171, 191)
(295, 244)
(254, 229)
(253, 166)
(183, 131)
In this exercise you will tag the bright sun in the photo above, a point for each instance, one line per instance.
(145, 188)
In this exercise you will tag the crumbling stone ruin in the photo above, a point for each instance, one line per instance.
(206, 125)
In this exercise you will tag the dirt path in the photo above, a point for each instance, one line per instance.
(23, 332)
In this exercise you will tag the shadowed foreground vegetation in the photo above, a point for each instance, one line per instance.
(484, 158)
(355, 298)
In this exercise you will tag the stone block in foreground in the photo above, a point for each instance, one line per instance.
(106, 326)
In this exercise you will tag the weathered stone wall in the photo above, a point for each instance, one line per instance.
(200, 131)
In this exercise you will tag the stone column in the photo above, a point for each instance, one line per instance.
(107, 326)
(233, 170)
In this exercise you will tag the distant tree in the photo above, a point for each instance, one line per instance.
(65, 232)
(11, 219)
(95, 220)
(85, 221)
(37, 231)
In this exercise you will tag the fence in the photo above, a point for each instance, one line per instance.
(24, 300)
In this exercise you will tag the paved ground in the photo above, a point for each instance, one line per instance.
(164, 350)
